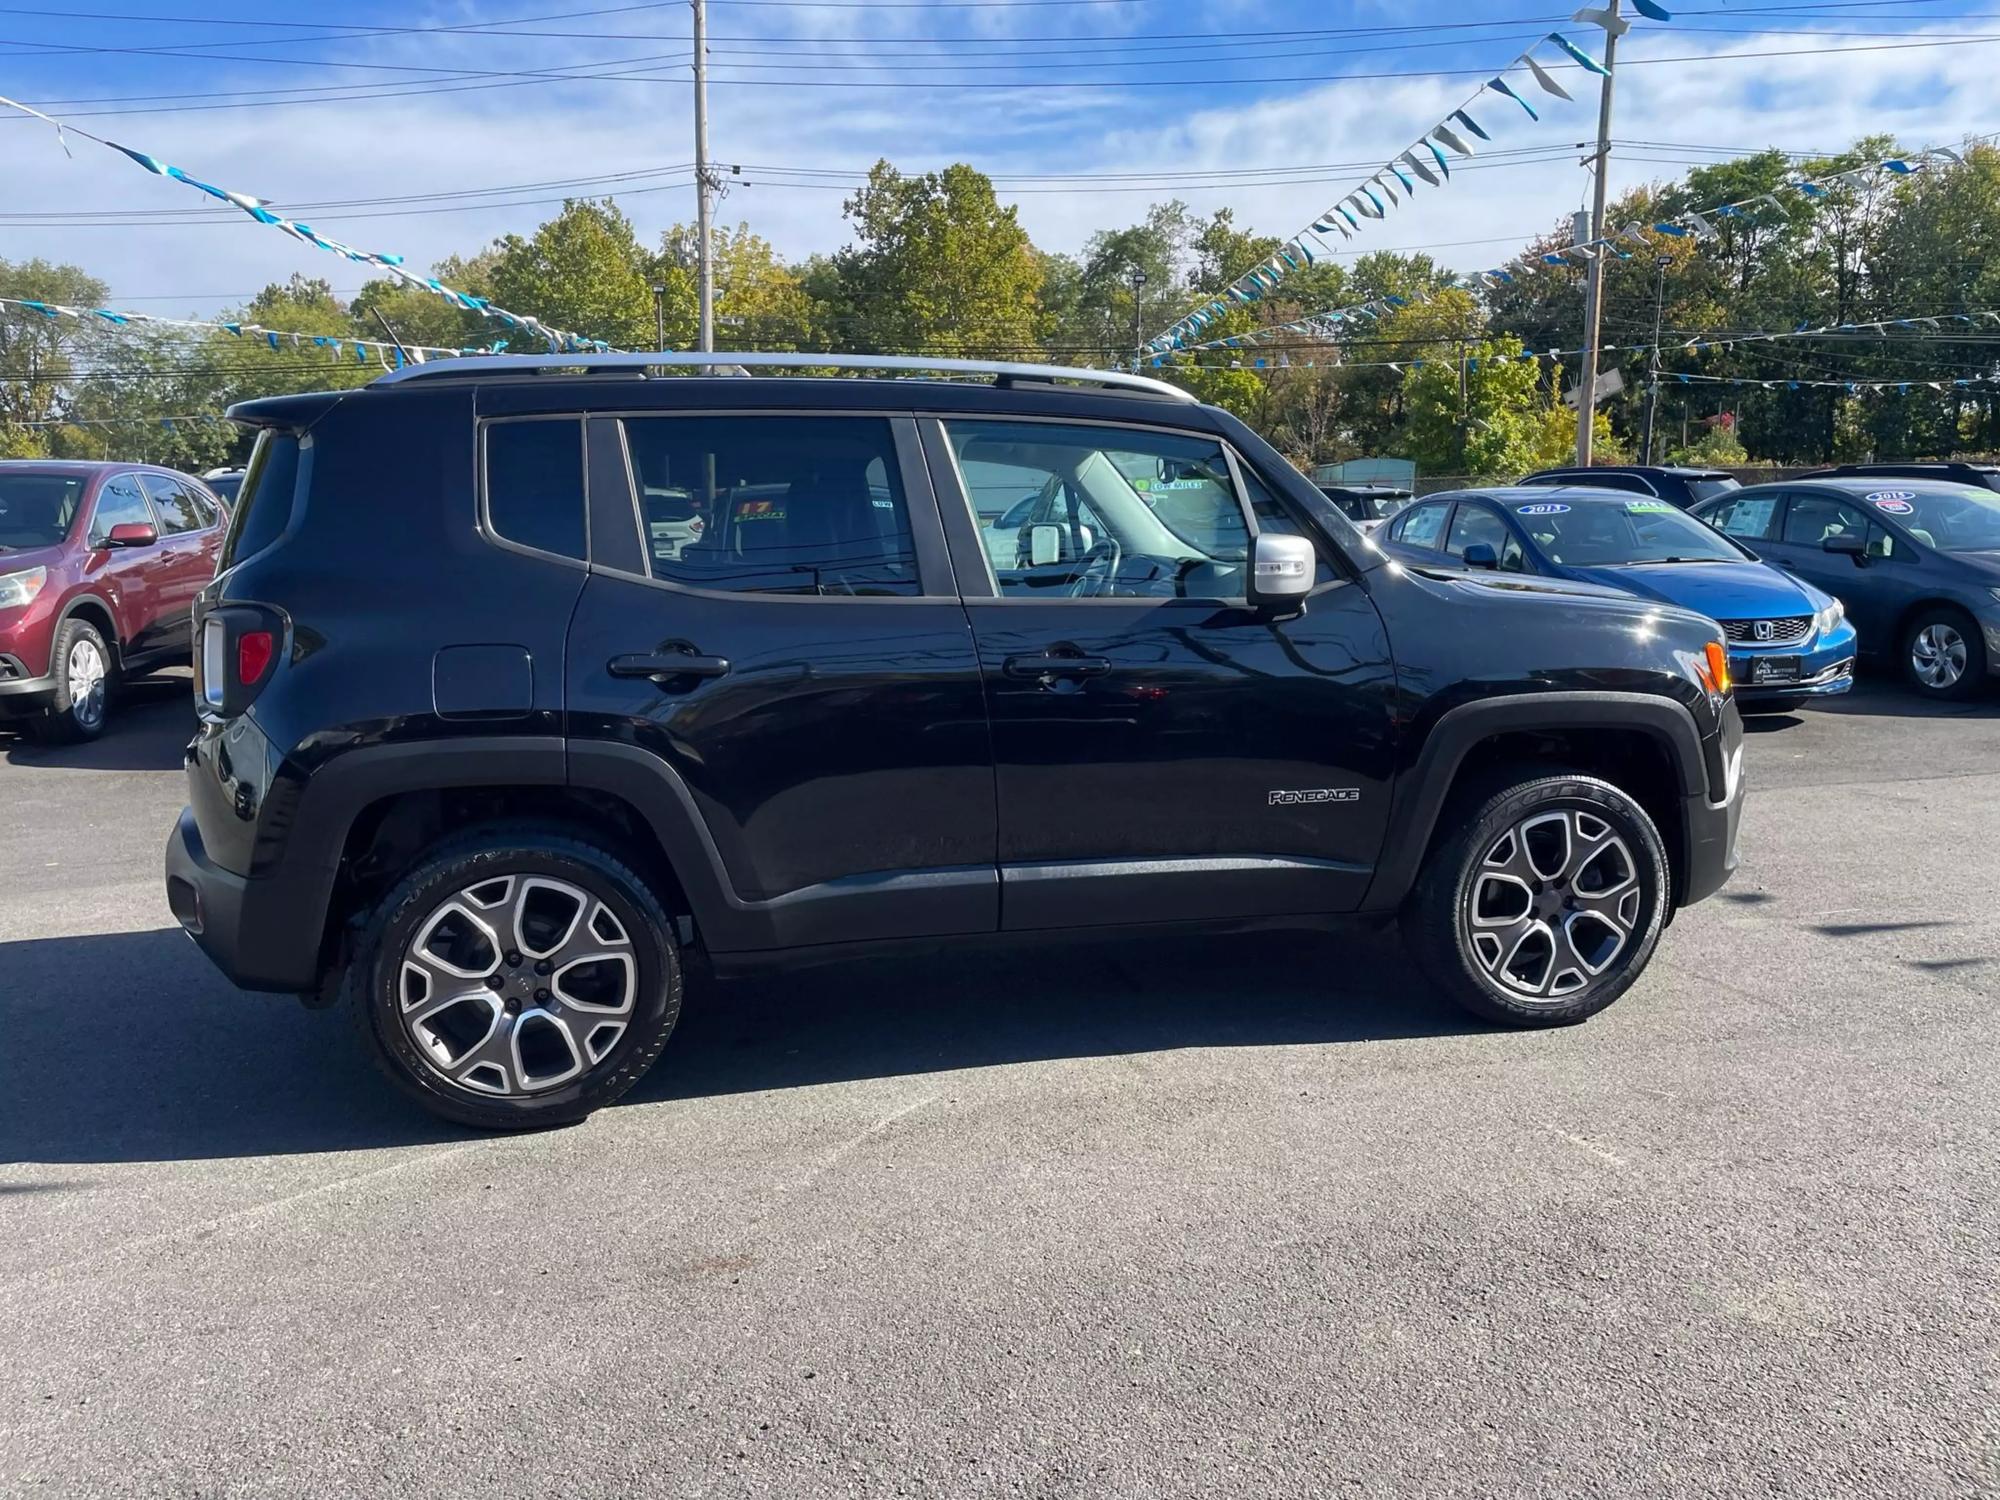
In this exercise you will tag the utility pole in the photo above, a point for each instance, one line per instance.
(1653, 359)
(1138, 284)
(1586, 395)
(704, 181)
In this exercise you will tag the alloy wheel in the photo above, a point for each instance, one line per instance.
(1938, 655)
(517, 985)
(1552, 904)
(86, 682)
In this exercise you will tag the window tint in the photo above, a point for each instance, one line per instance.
(1160, 509)
(534, 484)
(178, 507)
(1751, 517)
(37, 510)
(776, 505)
(1813, 518)
(264, 503)
(119, 503)
(1423, 525)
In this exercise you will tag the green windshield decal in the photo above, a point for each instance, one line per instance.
(1646, 507)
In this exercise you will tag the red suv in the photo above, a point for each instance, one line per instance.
(99, 566)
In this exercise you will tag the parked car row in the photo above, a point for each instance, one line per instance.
(1801, 574)
(99, 567)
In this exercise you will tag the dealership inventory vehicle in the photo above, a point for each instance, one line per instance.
(483, 753)
(1366, 505)
(1675, 483)
(1788, 641)
(99, 567)
(1945, 471)
(1917, 562)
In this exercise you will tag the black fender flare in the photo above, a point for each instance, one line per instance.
(1421, 792)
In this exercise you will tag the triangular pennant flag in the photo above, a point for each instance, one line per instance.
(1549, 85)
(1470, 124)
(1652, 11)
(1403, 177)
(1582, 58)
(1445, 134)
(1444, 166)
(1421, 168)
(1499, 86)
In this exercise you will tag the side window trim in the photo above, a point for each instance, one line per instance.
(484, 519)
(934, 569)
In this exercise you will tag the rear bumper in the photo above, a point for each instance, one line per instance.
(250, 927)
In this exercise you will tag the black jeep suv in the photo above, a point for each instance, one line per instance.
(489, 749)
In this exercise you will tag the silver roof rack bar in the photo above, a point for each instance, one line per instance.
(528, 364)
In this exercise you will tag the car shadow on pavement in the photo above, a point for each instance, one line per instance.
(128, 1047)
(1880, 695)
(151, 721)
(1071, 999)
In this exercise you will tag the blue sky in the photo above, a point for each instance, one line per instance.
(429, 127)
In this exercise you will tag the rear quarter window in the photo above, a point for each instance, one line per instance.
(534, 484)
(264, 503)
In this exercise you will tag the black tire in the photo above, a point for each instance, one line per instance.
(478, 861)
(71, 718)
(1436, 919)
(1947, 618)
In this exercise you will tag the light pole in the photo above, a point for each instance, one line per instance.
(660, 314)
(1137, 280)
(1653, 360)
(1614, 26)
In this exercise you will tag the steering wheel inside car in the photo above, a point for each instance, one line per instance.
(1096, 570)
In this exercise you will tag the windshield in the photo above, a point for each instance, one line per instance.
(36, 510)
(1597, 534)
(1708, 488)
(1951, 518)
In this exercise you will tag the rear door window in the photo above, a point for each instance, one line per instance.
(534, 484)
(776, 504)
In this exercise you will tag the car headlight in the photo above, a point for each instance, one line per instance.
(18, 589)
(1829, 617)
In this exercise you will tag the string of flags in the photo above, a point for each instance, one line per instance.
(383, 350)
(1428, 160)
(560, 341)
(1695, 224)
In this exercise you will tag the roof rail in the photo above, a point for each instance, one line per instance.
(638, 362)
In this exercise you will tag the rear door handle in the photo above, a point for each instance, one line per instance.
(665, 666)
(1057, 664)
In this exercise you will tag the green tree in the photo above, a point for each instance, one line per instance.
(583, 272)
(937, 267)
(760, 302)
(39, 355)
(420, 316)
(1487, 416)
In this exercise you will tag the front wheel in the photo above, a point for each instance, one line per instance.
(1546, 904)
(516, 978)
(1944, 654)
(80, 662)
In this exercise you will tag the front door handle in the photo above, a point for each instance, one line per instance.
(665, 666)
(1057, 664)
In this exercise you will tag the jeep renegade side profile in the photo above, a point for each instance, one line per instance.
(493, 756)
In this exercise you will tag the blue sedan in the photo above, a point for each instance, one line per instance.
(1788, 641)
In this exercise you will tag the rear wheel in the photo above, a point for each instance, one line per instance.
(516, 978)
(80, 662)
(1944, 654)
(1547, 903)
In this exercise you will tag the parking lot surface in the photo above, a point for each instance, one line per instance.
(1254, 1216)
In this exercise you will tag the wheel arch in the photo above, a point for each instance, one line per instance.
(1643, 743)
(91, 608)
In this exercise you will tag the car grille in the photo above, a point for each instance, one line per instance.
(1790, 628)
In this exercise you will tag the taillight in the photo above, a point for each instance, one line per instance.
(239, 645)
(253, 655)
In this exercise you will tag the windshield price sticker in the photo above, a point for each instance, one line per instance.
(1546, 508)
(1896, 502)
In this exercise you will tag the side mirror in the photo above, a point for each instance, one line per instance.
(1281, 569)
(1847, 544)
(132, 534)
(1481, 555)
(1045, 543)
(1016, 515)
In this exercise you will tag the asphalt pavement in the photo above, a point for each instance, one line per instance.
(1257, 1216)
